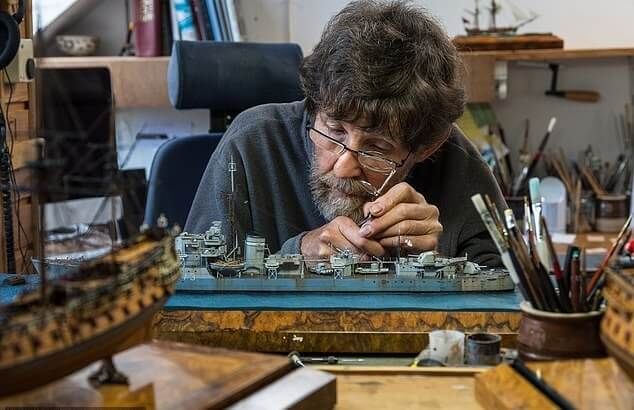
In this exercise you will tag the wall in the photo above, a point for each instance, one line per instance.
(106, 20)
(581, 23)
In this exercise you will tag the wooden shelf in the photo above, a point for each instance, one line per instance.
(537, 55)
(136, 81)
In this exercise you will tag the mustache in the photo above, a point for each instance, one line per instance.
(349, 186)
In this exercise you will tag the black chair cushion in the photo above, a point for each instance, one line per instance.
(231, 77)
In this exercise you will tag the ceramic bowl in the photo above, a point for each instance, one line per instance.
(75, 45)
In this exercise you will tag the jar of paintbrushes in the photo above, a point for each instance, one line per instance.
(562, 306)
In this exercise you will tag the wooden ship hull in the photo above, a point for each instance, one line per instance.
(617, 327)
(105, 307)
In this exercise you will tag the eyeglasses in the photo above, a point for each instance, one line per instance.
(371, 160)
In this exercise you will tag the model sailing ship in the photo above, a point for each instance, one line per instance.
(208, 266)
(88, 311)
(472, 25)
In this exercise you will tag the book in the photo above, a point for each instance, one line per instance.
(224, 29)
(176, 31)
(232, 16)
(166, 28)
(199, 23)
(185, 19)
(206, 20)
(214, 20)
(147, 28)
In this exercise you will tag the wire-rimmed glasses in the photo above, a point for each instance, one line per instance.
(371, 160)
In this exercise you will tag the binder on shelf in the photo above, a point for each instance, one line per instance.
(176, 32)
(147, 28)
(166, 28)
(185, 19)
(224, 29)
(203, 19)
(214, 20)
(233, 20)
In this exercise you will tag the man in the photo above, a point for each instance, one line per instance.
(370, 160)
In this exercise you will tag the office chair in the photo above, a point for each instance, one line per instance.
(225, 78)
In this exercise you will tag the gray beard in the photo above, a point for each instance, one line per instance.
(327, 194)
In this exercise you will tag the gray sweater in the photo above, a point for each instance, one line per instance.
(272, 198)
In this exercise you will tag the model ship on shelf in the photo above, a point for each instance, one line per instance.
(502, 37)
(472, 27)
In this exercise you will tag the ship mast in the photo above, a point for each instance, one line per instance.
(494, 9)
(232, 217)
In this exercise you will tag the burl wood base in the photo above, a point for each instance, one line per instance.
(389, 332)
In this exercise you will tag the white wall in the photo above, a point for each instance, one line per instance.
(581, 23)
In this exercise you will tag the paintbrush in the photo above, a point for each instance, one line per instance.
(536, 206)
(590, 288)
(528, 169)
(516, 242)
(559, 275)
(499, 240)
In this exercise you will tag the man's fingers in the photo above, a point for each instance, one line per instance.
(343, 233)
(399, 193)
(417, 243)
(411, 228)
(401, 212)
(350, 232)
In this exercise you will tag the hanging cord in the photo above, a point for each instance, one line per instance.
(10, 143)
(7, 208)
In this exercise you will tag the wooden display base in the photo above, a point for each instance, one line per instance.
(517, 42)
(166, 375)
(586, 384)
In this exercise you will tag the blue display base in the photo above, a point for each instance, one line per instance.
(471, 301)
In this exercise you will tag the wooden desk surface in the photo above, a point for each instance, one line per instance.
(358, 391)
(176, 376)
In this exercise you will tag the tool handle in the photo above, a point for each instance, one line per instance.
(581, 95)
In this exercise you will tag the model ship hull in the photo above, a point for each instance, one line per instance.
(103, 308)
(203, 282)
(63, 362)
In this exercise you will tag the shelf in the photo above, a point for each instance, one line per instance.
(538, 55)
(136, 81)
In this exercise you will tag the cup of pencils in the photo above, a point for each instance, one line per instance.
(562, 306)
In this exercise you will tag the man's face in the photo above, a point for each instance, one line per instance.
(334, 177)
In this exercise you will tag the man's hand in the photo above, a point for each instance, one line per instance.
(340, 233)
(402, 212)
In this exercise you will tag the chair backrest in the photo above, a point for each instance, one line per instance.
(226, 79)
(174, 177)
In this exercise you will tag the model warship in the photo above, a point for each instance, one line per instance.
(204, 269)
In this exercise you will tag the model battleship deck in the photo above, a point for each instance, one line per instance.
(207, 267)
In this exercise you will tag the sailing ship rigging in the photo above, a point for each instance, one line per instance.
(495, 8)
